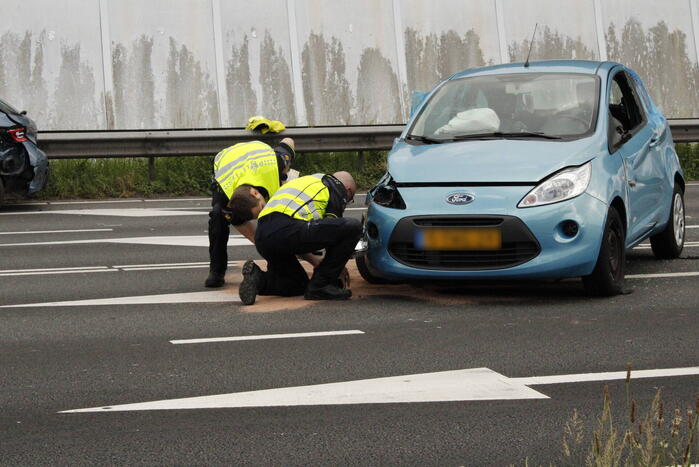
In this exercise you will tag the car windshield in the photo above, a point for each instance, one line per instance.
(528, 105)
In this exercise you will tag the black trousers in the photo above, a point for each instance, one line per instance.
(219, 231)
(279, 238)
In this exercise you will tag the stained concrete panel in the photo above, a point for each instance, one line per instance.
(659, 43)
(441, 41)
(349, 61)
(566, 29)
(163, 64)
(257, 61)
(50, 62)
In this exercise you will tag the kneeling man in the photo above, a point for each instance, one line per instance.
(304, 216)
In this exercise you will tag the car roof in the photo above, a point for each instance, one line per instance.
(546, 66)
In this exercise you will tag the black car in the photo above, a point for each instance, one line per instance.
(23, 166)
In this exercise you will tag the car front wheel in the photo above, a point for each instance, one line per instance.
(669, 243)
(607, 278)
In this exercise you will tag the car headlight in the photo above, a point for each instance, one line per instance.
(386, 194)
(566, 184)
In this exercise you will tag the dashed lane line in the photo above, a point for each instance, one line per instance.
(182, 240)
(265, 337)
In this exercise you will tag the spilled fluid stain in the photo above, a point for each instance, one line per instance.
(436, 294)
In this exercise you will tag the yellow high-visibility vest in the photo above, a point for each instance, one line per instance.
(305, 198)
(253, 163)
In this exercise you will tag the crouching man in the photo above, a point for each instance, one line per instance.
(304, 216)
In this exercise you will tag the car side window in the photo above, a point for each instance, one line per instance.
(624, 107)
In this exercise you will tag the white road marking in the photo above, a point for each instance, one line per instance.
(663, 274)
(186, 240)
(42, 273)
(607, 376)
(691, 226)
(355, 209)
(114, 201)
(646, 246)
(125, 212)
(222, 296)
(55, 231)
(125, 268)
(459, 385)
(445, 386)
(266, 336)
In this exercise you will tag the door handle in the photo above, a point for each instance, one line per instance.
(654, 141)
(632, 183)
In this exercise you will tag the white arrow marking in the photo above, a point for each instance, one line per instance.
(207, 340)
(187, 240)
(444, 386)
(459, 385)
(193, 297)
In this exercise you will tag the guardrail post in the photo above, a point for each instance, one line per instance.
(361, 160)
(151, 169)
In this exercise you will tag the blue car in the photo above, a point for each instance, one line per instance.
(546, 170)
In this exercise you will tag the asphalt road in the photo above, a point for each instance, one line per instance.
(133, 275)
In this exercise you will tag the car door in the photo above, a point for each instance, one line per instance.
(628, 118)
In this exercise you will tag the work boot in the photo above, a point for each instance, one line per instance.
(252, 280)
(327, 292)
(215, 280)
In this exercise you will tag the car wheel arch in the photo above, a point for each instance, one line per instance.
(618, 204)
(679, 180)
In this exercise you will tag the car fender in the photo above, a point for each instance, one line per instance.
(40, 162)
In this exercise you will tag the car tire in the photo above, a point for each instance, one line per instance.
(607, 278)
(366, 274)
(669, 243)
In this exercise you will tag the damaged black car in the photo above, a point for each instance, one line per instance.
(23, 166)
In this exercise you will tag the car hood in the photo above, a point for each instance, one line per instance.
(498, 160)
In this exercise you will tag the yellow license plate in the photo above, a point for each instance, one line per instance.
(458, 239)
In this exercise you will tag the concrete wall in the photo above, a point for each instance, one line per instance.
(117, 64)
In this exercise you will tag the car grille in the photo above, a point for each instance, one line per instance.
(518, 244)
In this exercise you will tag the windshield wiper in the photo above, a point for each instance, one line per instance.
(425, 139)
(499, 134)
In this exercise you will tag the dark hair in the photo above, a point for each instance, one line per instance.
(241, 204)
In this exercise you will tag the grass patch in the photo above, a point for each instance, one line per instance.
(656, 437)
(191, 176)
(689, 158)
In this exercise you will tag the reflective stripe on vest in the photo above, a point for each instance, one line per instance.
(253, 163)
(305, 198)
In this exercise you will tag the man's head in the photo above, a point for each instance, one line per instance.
(245, 204)
(349, 183)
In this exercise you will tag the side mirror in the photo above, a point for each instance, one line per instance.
(24, 112)
(416, 99)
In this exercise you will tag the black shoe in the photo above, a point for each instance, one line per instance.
(215, 280)
(252, 279)
(328, 292)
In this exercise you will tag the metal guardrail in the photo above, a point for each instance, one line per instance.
(161, 143)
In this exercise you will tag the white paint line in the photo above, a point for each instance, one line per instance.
(43, 273)
(55, 231)
(646, 246)
(663, 274)
(264, 337)
(607, 376)
(691, 226)
(173, 200)
(192, 297)
(188, 240)
(459, 385)
(355, 209)
(77, 268)
(125, 212)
